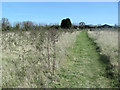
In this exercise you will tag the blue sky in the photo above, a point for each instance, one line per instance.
(53, 12)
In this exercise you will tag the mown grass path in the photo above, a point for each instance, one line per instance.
(82, 67)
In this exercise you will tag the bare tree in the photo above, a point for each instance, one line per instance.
(5, 24)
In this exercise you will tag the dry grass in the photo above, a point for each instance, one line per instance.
(28, 57)
(64, 41)
(107, 40)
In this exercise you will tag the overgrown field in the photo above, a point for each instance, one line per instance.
(30, 58)
(56, 58)
(107, 42)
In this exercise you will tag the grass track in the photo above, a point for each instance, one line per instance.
(82, 67)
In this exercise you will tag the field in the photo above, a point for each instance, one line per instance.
(59, 58)
(107, 41)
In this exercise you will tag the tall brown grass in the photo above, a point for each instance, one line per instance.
(31, 58)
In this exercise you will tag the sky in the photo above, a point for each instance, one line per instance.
(53, 12)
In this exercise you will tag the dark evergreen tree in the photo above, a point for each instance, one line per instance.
(66, 23)
(63, 23)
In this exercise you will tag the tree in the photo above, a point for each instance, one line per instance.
(66, 23)
(5, 24)
(17, 26)
(55, 26)
(81, 25)
(28, 25)
(63, 23)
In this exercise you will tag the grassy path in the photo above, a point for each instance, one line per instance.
(82, 67)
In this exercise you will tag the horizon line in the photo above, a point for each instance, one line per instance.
(43, 23)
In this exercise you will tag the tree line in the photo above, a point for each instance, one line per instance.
(29, 25)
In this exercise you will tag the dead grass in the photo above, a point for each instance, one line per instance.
(25, 58)
(107, 40)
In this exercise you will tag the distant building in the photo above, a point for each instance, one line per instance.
(105, 26)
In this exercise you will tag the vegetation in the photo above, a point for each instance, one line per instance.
(54, 56)
(33, 57)
(5, 24)
(82, 66)
(107, 42)
(66, 23)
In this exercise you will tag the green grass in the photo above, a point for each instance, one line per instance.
(82, 67)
